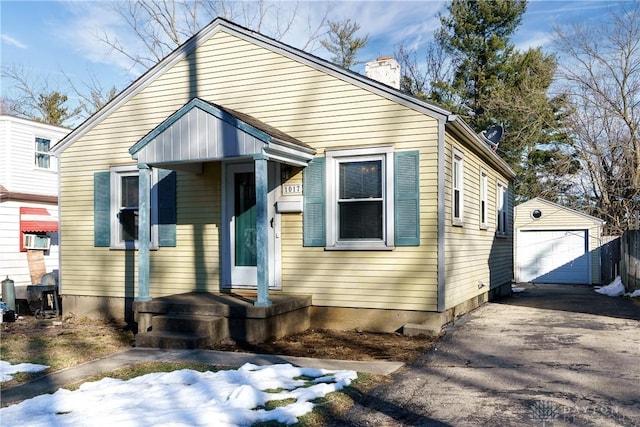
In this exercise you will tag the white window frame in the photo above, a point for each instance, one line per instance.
(457, 187)
(36, 153)
(117, 172)
(502, 208)
(333, 160)
(483, 205)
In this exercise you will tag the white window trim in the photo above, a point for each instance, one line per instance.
(53, 161)
(457, 158)
(484, 199)
(333, 159)
(115, 173)
(502, 208)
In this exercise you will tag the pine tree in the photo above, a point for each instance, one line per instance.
(343, 43)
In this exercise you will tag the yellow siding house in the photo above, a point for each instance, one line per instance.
(239, 164)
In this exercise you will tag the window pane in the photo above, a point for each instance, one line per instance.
(42, 160)
(245, 219)
(361, 180)
(360, 220)
(129, 192)
(129, 208)
(42, 145)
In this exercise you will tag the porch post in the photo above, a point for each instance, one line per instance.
(262, 229)
(144, 230)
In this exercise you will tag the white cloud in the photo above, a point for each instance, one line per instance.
(12, 42)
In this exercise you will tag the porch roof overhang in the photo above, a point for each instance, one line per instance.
(201, 131)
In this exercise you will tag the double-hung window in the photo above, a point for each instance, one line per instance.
(457, 181)
(360, 198)
(42, 157)
(483, 198)
(124, 209)
(502, 209)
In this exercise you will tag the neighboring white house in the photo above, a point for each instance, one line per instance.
(28, 200)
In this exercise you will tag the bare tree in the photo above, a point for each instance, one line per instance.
(91, 94)
(426, 78)
(161, 26)
(602, 74)
(36, 99)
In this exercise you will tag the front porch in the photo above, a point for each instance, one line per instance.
(199, 320)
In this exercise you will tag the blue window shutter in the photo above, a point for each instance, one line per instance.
(167, 207)
(407, 198)
(313, 190)
(101, 209)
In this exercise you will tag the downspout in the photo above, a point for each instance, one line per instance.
(441, 215)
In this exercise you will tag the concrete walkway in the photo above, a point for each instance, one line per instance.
(55, 380)
(553, 355)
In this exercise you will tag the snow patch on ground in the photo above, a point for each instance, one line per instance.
(613, 289)
(7, 370)
(184, 398)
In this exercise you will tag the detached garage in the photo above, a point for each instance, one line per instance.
(555, 244)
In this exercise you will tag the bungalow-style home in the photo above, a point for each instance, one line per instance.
(244, 172)
(28, 201)
(556, 244)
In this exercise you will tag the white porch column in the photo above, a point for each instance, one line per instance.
(262, 229)
(144, 231)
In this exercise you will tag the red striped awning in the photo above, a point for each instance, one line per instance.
(35, 220)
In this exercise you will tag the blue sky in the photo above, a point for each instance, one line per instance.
(51, 39)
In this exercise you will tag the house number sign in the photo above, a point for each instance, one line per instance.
(291, 189)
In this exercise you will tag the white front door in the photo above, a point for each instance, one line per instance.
(240, 251)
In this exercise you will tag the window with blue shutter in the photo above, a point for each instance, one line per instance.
(362, 199)
(115, 208)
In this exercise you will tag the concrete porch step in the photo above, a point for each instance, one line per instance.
(171, 340)
(215, 328)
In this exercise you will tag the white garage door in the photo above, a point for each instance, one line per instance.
(553, 256)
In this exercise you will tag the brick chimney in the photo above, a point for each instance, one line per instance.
(385, 69)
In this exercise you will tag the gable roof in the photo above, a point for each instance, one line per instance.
(201, 131)
(220, 24)
(558, 206)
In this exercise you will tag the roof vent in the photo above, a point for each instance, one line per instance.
(385, 69)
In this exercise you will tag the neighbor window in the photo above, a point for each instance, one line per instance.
(360, 195)
(42, 158)
(457, 180)
(483, 198)
(502, 208)
(124, 208)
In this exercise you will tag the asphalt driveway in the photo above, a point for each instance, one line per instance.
(553, 355)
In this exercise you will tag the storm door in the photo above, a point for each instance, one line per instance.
(240, 201)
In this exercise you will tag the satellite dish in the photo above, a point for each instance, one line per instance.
(492, 136)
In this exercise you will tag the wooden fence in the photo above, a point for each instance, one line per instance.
(609, 259)
(630, 259)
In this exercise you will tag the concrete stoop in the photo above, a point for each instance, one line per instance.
(200, 320)
(177, 331)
